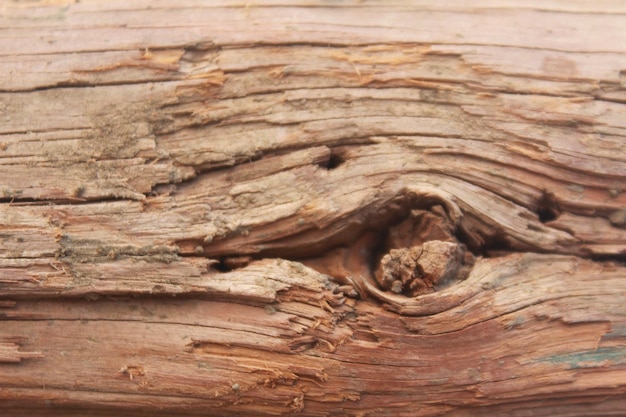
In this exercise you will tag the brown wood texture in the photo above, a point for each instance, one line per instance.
(322, 208)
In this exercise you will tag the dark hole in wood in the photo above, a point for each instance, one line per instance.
(335, 160)
(496, 245)
(222, 266)
(547, 208)
(229, 263)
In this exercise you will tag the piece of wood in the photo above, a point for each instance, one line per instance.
(324, 208)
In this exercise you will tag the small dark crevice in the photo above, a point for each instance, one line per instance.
(222, 266)
(78, 200)
(610, 260)
(335, 160)
(230, 263)
(495, 245)
(87, 84)
(547, 207)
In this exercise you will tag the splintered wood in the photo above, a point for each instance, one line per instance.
(324, 208)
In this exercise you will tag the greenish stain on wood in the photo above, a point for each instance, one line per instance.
(590, 358)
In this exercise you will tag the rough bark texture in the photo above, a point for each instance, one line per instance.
(331, 208)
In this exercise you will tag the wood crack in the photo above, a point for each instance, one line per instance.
(266, 210)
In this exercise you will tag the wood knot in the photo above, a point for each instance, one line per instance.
(420, 269)
(421, 255)
(418, 255)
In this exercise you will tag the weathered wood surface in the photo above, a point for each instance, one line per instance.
(331, 208)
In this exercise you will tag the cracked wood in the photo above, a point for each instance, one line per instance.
(325, 208)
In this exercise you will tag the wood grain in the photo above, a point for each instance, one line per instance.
(195, 199)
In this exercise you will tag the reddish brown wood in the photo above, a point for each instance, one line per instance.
(325, 208)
